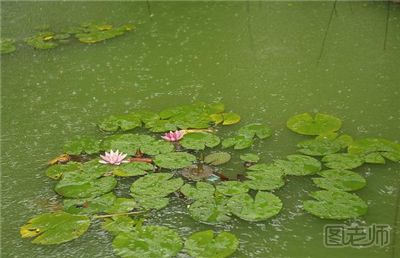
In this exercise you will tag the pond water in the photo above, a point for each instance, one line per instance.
(265, 60)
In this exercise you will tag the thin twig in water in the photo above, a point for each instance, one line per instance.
(118, 214)
(387, 25)
(333, 11)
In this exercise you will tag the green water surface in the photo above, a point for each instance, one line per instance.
(264, 60)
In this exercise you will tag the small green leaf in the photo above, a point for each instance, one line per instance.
(123, 122)
(255, 129)
(206, 244)
(199, 141)
(89, 205)
(230, 188)
(230, 118)
(367, 146)
(298, 165)
(210, 211)
(264, 177)
(307, 125)
(118, 224)
(149, 242)
(55, 228)
(56, 171)
(262, 207)
(82, 145)
(201, 191)
(217, 158)
(335, 205)
(238, 142)
(174, 160)
(342, 180)
(132, 169)
(342, 161)
(250, 157)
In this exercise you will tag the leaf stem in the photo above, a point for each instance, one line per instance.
(118, 214)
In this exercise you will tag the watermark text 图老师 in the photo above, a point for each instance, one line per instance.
(343, 235)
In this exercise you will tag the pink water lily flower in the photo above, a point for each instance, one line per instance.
(113, 158)
(173, 136)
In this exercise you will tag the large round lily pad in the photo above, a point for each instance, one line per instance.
(149, 242)
(320, 124)
(299, 165)
(206, 244)
(132, 169)
(262, 207)
(335, 205)
(199, 141)
(319, 147)
(342, 161)
(55, 228)
(210, 211)
(342, 180)
(269, 179)
(202, 190)
(174, 160)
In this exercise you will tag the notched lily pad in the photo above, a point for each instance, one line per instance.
(256, 129)
(42, 40)
(230, 118)
(342, 180)
(118, 224)
(335, 205)
(82, 145)
(174, 160)
(262, 207)
(56, 171)
(372, 148)
(199, 141)
(55, 228)
(238, 142)
(149, 242)
(89, 205)
(307, 125)
(210, 211)
(202, 190)
(250, 157)
(298, 165)
(132, 169)
(206, 244)
(217, 158)
(230, 188)
(264, 177)
(342, 161)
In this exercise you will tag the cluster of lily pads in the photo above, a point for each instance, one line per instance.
(171, 160)
(88, 33)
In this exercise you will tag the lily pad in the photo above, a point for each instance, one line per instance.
(250, 157)
(174, 160)
(123, 122)
(238, 142)
(197, 172)
(217, 158)
(55, 228)
(202, 190)
(121, 205)
(131, 143)
(230, 118)
(56, 171)
(210, 211)
(298, 165)
(89, 205)
(7, 46)
(84, 185)
(118, 224)
(93, 33)
(206, 244)
(199, 141)
(335, 205)
(132, 169)
(230, 188)
(82, 145)
(256, 129)
(342, 180)
(342, 161)
(262, 207)
(319, 147)
(149, 242)
(320, 124)
(160, 126)
(264, 177)
(372, 147)
(43, 40)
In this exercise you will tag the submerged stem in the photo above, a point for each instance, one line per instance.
(118, 214)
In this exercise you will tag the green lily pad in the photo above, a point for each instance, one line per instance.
(319, 147)
(372, 147)
(298, 165)
(82, 145)
(307, 125)
(264, 177)
(342, 161)
(256, 129)
(262, 207)
(84, 185)
(55, 228)
(230, 118)
(121, 205)
(7, 46)
(217, 118)
(118, 224)
(202, 190)
(56, 171)
(89, 205)
(149, 242)
(335, 205)
(199, 141)
(132, 169)
(152, 203)
(215, 108)
(131, 143)
(93, 33)
(123, 122)
(250, 157)
(230, 188)
(206, 244)
(238, 142)
(217, 158)
(174, 160)
(342, 180)
(210, 211)
(160, 126)
(43, 40)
